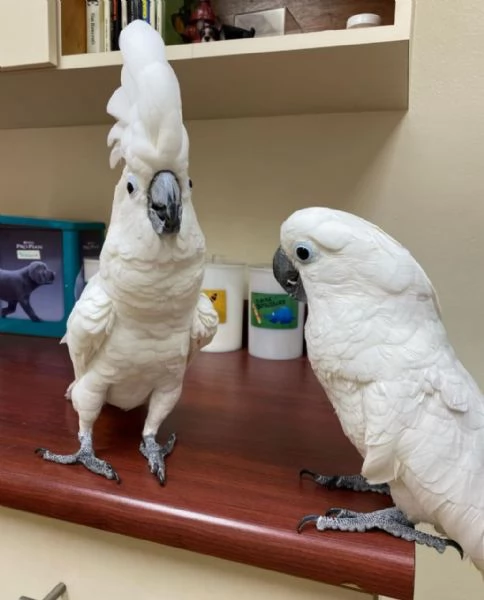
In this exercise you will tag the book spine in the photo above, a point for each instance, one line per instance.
(124, 13)
(159, 16)
(144, 10)
(151, 11)
(115, 23)
(94, 26)
(107, 25)
(133, 10)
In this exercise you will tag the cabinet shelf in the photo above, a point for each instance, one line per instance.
(245, 427)
(304, 73)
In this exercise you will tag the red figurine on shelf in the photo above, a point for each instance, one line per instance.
(196, 22)
(204, 26)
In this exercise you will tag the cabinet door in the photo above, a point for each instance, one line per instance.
(95, 565)
(28, 34)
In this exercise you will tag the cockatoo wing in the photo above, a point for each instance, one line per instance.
(428, 423)
(89, 324)
(204, 325)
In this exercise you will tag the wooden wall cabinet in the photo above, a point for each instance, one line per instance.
(335, 70)
(28, 34)
(227, 518)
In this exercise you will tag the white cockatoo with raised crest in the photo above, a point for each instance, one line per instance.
(378, 346)
(142, 317)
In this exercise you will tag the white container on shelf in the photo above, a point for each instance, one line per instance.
(225, 284)
(363, 20)
(91, 267)
(276, 321)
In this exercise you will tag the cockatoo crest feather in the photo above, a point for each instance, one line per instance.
(149, 133)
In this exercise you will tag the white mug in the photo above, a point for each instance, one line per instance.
(224, 284)
(276, 321)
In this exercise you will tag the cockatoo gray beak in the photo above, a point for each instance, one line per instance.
(164, 203)
(288, 276)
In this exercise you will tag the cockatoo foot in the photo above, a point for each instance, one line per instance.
(84, 456)
(356, 483)
(155, 454)
(390, 520)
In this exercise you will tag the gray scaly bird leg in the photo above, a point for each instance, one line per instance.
(156, 454)
(356, 483)
(84, 456)
(390, 520)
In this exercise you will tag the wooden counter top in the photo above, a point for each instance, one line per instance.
(245, 428)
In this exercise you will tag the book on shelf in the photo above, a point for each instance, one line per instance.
(115, 24)
(94, 26)
(105, 19)
(107, 26)
(124, 13)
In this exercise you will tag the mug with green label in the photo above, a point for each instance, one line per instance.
(276, 321)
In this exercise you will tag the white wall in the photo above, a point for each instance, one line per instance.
(418, 175)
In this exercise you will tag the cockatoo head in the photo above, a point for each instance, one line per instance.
(334, 253)
(149, 134)
(161, 197)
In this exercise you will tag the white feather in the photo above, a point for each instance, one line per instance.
(377, 343)
(89, 324)
(140, 318)
(204, 325)
(147, 106)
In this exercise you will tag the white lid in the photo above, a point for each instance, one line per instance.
(223, 265)
(261, 267)
(221, 261)
(363, 20)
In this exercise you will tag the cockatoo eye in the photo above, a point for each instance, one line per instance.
(190, 182)
(304, 252)
(132, 184)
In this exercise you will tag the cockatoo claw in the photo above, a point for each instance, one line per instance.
(156, 454)
(355, 483)
(311, 474)
(458, 547)
(84, 456)
(390, 520)
(305, 520)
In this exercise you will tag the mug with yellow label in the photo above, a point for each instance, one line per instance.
(224, 284)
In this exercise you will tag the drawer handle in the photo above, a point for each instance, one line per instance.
(54, 594)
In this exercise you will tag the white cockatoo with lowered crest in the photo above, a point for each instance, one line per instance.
(142, 317)
(379, 348)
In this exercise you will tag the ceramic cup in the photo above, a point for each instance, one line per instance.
(276, 321)
(225, 284)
